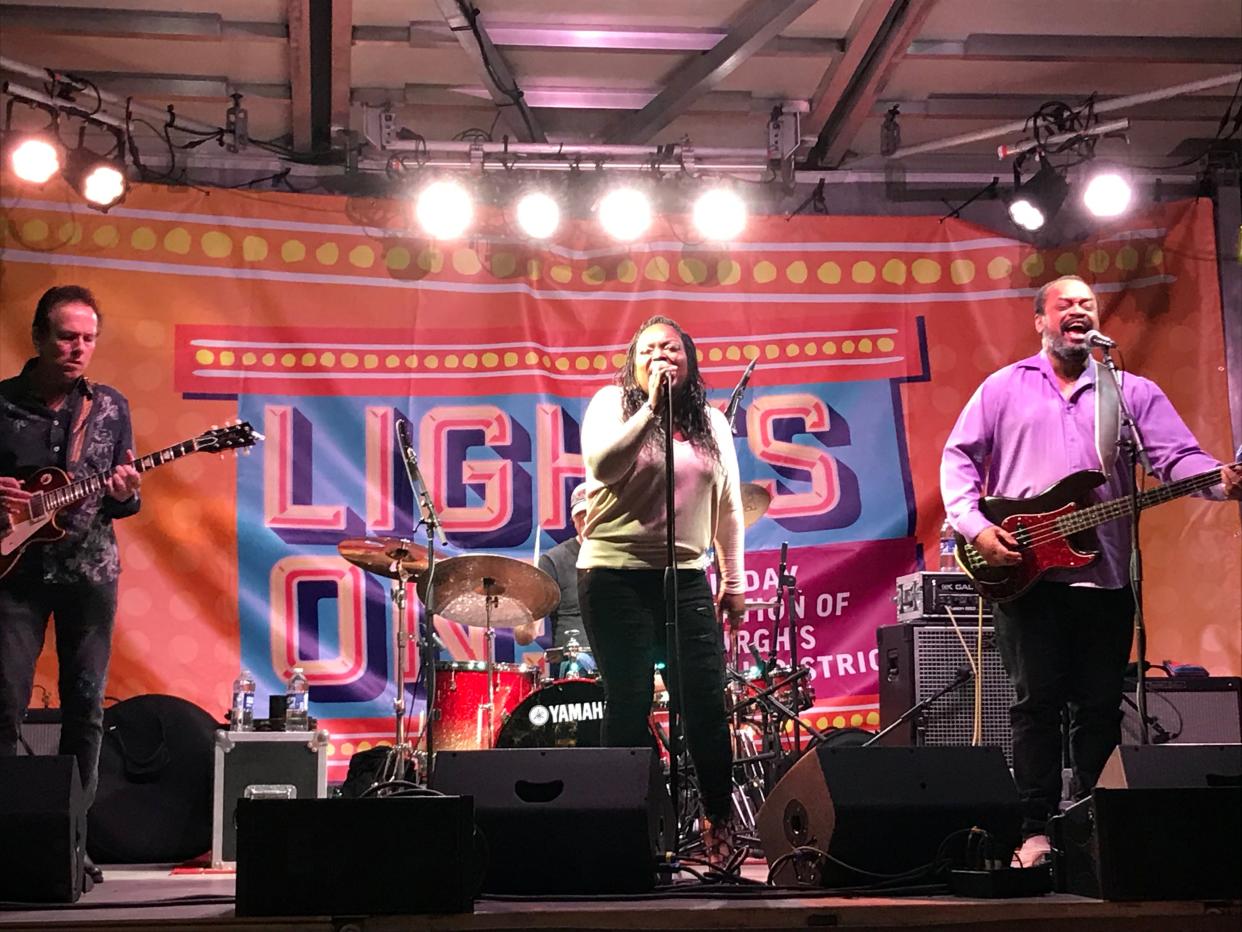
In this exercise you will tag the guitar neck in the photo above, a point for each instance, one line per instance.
(1103, 512)
(96, 483)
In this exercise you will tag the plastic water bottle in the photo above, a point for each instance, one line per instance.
(297, 702)
(947, 547)
(241, 718)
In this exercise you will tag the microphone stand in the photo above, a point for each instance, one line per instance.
(919, 708)
(672, 627)
(785, 587)
(431, 524)
(1130, 442)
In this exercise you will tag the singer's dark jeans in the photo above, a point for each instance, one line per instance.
(1064, 647)
(624, 614)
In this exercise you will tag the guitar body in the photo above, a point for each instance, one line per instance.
(29, 529)
(1017, 515)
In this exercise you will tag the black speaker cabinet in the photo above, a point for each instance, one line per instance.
(565, 820)
(40, 732)
(41, 827)
(1164, 766)
(1186, 710)
(884, 810)
(355, 857)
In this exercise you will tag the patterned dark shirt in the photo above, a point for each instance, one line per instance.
(33, 436)
(561, 563)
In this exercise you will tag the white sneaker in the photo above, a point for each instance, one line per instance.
(1034, 851)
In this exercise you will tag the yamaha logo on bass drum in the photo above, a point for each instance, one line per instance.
(541, 715)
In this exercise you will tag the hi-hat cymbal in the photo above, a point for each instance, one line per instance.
(478, 589)
(755, 501)
(383, 555)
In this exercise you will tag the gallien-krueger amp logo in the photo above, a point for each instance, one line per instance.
(541, 715)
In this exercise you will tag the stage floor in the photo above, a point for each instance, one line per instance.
(147, 898)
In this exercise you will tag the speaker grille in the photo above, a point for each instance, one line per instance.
(938, 654)
(1187, 711)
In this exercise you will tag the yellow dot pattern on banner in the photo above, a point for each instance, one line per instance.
(308, 359)
(728, 272)
(692, 271)
(847, 346)
(796, 272)
(562, 364)
(1127, 258)
(327, 359)
(715, 354)
(249, 359)
(750, 351)
(873, 718)
(269, 359)
(733, 353)
(287, 360)
(204, 357)
(864, 345)
(431, 260)
(392, 360)
(618, 360)
(771, 351)
(999, 268)
(1155, 257)
(70, 233)
(810, 349)
(490, 360)
(292, 250)
(178, 240)
(510, 360)
(627, 271)
(885, 344)
(856, 719)
(764, 272)
(863, 272)
(431, 362)
(838, 721)
(1033, 265)
(829, 273)
(925, 271)
(362, 257)
(894, 271)
(582, 363)
(533, 269)
(370, 361)
(328, 254)
(466, 262)
(561, 273)
(594, 275)
(144, 238)
(411, 361)
(1097, 262)
(216, 245)
(470, 361)
(547, 360)
(451, 361)
(34, 231)
(347, 747)
(656, 269)
(531, 357)
(830, 347)
(504, 264)
(349, 360)
(254, 249)
(397, 259)
(793, 350)
(600, 362)
(1066, 264)
(106, 236)
(961, 271)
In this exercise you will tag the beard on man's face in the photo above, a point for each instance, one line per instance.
(1066, 350)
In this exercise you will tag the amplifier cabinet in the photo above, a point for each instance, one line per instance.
(932, 594)
(916, 660)
(1186, 710)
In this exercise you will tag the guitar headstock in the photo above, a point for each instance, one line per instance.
(228, 437)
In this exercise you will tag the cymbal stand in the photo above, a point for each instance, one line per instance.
(490, 601)
(399, 762)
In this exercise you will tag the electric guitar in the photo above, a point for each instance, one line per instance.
(51, 489)
(1054, 529)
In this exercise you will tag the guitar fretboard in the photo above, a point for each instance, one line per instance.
(44, 503)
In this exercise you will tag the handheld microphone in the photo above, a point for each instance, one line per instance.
(416, 478)
(1095, 338)
(735, 399)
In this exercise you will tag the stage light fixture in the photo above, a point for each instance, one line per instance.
(1036, 201)
(625, 213)
(35, 160)
(101, 181)
(1107, 193)
(720, 215)
(538, 214)
(444, 209)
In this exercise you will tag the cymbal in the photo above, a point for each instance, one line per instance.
(382, 555)
(755, 501)
(475, 589)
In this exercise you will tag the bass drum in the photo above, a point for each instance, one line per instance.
(565, 714)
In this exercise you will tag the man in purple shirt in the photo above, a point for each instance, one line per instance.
(1066, 641)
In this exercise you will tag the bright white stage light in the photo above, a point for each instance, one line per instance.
(444, 209)
(720, 215)
(1026, 215)
(1108, 194)
(625, 214)
(538, 214)
(35, 160)
(103, 185)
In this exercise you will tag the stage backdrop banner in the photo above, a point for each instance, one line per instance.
(322, 320)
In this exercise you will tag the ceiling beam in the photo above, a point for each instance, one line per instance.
(1018, 106)
(1102, 49)
(758, 23)
(497, 76)
(574, 98)
(342, 26)
(878, 37)
(310, 73)
(130, 24)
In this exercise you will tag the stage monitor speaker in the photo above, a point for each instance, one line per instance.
(355, 857)
(565, 820)
(41, 826)
(881, 810)
(40, 732)
(1165, 766)
(1186, 710)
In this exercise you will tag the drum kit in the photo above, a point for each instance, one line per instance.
(485, 704)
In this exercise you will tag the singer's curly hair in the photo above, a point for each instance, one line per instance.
(690, 414)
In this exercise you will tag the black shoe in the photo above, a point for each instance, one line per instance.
(92, 869)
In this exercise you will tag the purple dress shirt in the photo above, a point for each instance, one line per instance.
(1018, 435)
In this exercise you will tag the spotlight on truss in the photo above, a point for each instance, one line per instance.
(538, 214)
(1034, 202)
(1107, 193)
(625, 214)
(101, 181)
(35, 159)
(720, 215)
(444, 209)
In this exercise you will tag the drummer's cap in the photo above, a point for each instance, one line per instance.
(577, 499)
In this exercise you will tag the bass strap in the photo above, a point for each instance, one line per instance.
(1107, 417)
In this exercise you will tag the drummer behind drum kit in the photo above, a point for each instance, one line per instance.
(484, 704)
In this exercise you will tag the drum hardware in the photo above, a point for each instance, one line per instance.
(755, 501)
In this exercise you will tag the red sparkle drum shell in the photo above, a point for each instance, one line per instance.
(565, 714)
(461, 697)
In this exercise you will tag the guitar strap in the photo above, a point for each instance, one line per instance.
(77, 436)
(1107, 418)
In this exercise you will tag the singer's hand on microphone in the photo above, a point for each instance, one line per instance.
(658, 372)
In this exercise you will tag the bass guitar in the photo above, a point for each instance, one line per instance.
(1055, 529)
(51, 489)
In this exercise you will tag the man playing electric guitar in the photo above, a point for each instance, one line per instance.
(51, 415)
(1066, 640)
